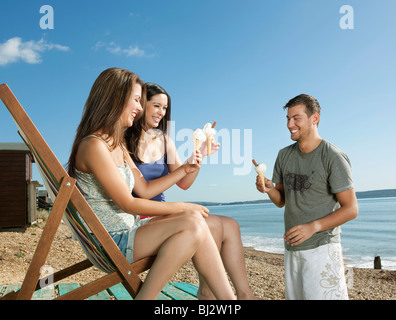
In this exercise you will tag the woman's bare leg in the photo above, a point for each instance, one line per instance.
(227, 235)
(234, 258)
(209, 265)
(216, 228)
(175, 239)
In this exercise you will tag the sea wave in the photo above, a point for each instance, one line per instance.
(271, 245)
(276, 245)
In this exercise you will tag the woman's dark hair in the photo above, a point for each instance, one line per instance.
(133, 134)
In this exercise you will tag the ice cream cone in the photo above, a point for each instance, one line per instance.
(198, 138)
(260, 170)
(197, 144)
(209, 131)
(261, 176)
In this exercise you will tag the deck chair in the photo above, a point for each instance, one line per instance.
(70, 205)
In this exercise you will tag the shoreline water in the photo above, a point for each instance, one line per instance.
(371, 234)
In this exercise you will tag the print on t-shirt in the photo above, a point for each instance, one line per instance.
(298, 182)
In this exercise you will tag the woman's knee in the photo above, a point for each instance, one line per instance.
(216, 227)
(194, 223)
(230, 225)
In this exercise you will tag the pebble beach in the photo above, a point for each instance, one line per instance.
(265, 270)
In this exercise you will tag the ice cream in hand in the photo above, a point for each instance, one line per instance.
(209, 132)
(198, 137)
(260, 169)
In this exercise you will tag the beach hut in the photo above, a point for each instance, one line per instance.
(17, 190)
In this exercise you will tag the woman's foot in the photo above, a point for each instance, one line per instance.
(205, 294)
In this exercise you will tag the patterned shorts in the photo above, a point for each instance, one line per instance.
(316, 274)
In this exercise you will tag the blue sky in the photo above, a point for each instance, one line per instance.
(234, 62)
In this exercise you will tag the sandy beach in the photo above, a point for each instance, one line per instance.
(265, 270)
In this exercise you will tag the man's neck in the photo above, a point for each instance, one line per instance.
(309, 145)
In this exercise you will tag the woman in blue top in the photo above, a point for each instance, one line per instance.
(154, 153)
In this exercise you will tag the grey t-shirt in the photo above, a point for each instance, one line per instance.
(310, 182)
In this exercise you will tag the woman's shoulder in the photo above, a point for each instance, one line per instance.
(169, 142)
(90, 148)
(94, 142)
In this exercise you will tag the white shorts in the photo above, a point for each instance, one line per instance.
(316, 274)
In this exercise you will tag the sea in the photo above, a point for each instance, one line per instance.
(371, 234)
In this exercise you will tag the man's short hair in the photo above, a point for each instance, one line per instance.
(311, 104)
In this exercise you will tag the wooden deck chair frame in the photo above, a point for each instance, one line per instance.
(68, 195)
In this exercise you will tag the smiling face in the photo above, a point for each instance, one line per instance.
(155, 110)
(299, 124)
(132, 107)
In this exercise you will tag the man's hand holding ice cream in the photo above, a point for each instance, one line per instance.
(263, 185)
(261, 181)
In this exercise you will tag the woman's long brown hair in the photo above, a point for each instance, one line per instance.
(103, 108)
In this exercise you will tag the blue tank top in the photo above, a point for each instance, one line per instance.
(152, 171)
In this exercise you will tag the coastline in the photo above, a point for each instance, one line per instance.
(265, 270)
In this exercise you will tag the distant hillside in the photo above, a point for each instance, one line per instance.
(232, 203)
(360, 195)
(376, 194)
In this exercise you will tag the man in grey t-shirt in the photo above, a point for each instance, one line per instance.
(313, 181)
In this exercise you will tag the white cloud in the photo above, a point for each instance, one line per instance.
(133, 51)
(15, 49)
(116, 49)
